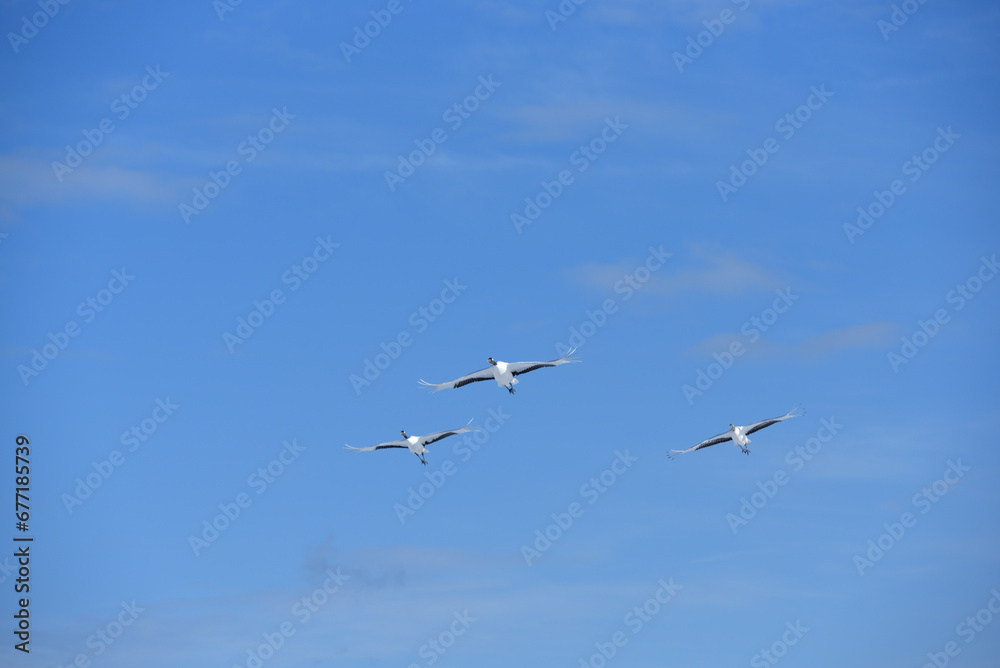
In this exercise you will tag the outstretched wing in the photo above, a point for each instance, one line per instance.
(757, 426)
(715, 440)
(380, 446)
(517, 368)
(482, 374)
(437, 436)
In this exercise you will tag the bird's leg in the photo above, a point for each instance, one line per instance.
(424, 461)
(510, 388)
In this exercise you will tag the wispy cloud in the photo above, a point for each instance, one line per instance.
(471, 162)
(389, 622)
(575, 114)
(868, 335)
(28, 181)
(720, 273)
(659, 13)
(853, 337)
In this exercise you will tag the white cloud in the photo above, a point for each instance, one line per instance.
(867, 335)
(721, 273)
(28, 181)
(580, 117)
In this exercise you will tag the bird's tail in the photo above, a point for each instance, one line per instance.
(430, 387)
(567, 357)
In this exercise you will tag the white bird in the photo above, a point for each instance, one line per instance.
(505, 373)
(738, 435)
(416, 444)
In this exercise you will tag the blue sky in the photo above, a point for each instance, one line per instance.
(798, 213)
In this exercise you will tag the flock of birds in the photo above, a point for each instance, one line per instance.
(506, 373)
